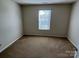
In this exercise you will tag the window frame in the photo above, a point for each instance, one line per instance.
(50, 20)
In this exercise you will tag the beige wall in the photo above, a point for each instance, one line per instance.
(10, 23)
(59, 21)
(73, 34)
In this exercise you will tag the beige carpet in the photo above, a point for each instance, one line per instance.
(40, 47)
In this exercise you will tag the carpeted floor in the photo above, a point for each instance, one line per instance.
(39, 47)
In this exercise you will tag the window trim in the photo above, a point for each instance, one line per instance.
(50, 20)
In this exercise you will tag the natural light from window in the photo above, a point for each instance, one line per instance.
(44, 19)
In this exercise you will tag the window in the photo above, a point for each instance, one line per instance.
(44, 19)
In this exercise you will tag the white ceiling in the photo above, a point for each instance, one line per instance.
(43, 1)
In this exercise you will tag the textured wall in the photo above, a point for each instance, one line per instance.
(10, 23)
(59, 19)
(73, 34)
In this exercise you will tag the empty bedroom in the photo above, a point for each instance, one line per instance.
(39, 28)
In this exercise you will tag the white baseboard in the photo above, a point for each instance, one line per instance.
(71, 41)
(75, 55)
(9, 44)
